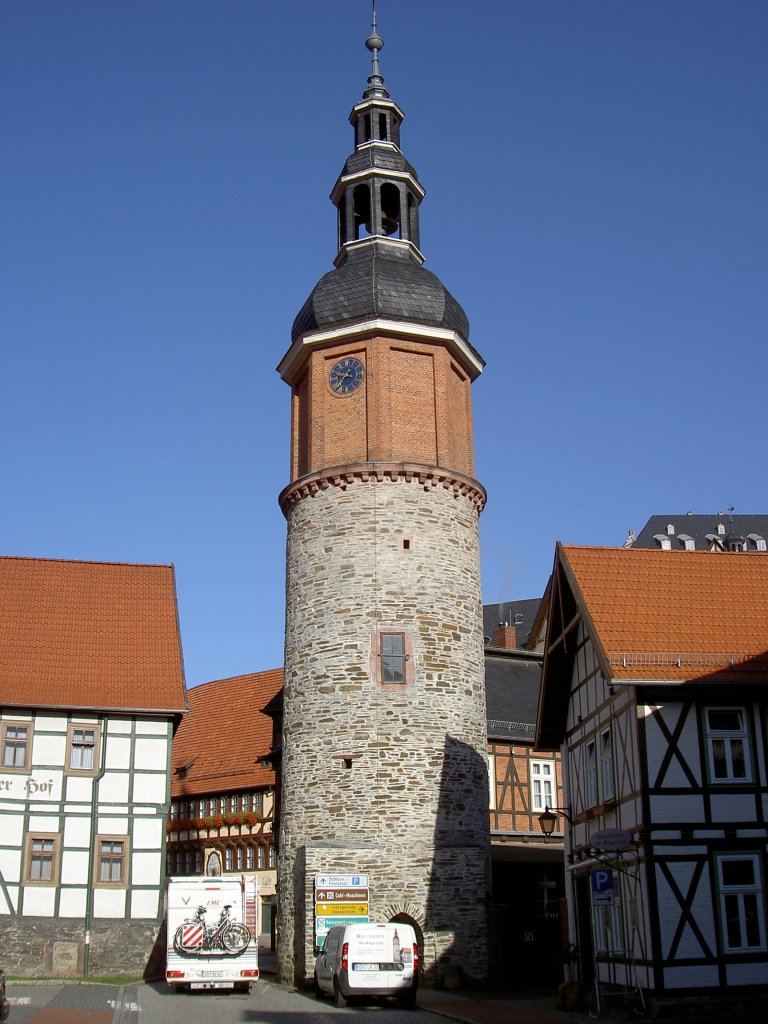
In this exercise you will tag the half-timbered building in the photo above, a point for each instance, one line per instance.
(526, 865)
(222, 815)
(91, 689)
(655, 685)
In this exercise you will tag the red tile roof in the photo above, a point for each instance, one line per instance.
(674, 615)
(95, 635)
(225, 735)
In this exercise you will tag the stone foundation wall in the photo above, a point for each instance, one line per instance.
(44, 946)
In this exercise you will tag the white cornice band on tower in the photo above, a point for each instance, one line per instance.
(299, 351)
(376, 172)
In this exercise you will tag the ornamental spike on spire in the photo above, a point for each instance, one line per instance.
(374, 42)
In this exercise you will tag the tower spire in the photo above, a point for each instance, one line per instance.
(374, 42)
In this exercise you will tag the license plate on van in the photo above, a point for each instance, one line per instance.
(378, 967)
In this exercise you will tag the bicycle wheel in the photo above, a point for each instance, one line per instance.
(235, 937)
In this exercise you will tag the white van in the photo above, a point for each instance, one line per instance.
(368, 960)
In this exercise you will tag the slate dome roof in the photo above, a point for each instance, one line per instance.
(384, 281)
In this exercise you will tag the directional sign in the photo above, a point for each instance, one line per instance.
(329, 895)
(342, 910)
(603, 899)
(341, 881)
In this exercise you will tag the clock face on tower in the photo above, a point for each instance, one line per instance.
(346, 376)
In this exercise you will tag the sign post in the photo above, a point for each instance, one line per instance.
(339, 899)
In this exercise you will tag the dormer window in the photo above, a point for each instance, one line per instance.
(721, 529)
(687, 542)
(663, 541)
(757, 542)
(671, 529)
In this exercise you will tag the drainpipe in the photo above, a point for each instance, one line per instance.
(91, 846)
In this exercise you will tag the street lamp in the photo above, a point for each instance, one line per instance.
(548, 819)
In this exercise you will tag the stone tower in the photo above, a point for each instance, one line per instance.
(384, 741)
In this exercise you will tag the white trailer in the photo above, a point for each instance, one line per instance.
(212, 934)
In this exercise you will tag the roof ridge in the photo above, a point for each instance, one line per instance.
(86, 561)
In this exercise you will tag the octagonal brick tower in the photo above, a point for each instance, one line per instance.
(384, 737)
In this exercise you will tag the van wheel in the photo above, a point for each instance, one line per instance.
(339, 1000)
(316, 986)
(408, 999)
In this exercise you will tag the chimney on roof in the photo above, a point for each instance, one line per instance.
(630, 539)
(505, 636)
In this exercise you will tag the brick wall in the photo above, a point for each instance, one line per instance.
(414, 405)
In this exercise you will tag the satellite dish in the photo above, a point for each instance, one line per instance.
(611, 840)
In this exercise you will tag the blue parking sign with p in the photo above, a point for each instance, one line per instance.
(602, 880)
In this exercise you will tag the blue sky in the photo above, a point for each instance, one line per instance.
(596, 177)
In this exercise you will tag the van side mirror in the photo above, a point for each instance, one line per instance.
(318, 950)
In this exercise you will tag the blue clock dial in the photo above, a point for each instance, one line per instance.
(346, 376)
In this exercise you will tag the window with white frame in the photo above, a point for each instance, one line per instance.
(250, 860)
(606, 764)
(271, 856)
(742, 902)
(727, 745)
(17, 746)
(542, 785)
(229, 859)
(590, 771)
(260, 857)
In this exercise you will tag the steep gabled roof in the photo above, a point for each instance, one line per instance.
(655, 616)
(221, 743)
(89, 635)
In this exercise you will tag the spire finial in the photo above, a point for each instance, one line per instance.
(374, 42)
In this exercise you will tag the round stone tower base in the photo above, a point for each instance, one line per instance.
(444, 897)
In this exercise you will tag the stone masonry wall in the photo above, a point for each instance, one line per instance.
(46, 946)
(412, 810)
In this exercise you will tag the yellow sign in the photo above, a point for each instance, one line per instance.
(341, 910)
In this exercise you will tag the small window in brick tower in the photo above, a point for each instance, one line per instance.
(393, 657)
